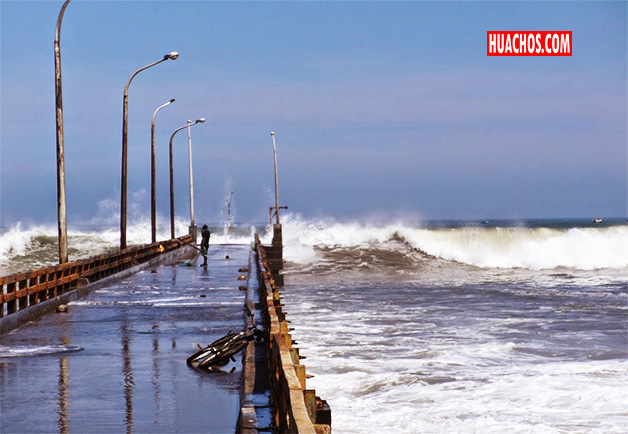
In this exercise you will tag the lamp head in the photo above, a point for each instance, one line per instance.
(272, 133)
(173, 55)
(200, 120)
(172, 100)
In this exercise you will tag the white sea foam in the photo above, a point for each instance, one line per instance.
(511, 247)
(28, 247)
(24, 247)
(386, 370)
(301, 237)
(371, 396)
(18, 240)
(238, 235)
(535, 249)
(307, 241)
(34, 350)
(516, 344)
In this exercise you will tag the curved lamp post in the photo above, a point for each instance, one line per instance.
(188, 125)
(153, 206)
(62, 215)
(172, 55)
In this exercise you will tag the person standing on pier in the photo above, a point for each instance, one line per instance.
(205, 234)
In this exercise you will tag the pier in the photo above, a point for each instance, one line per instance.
(115, 361)
(101, 344)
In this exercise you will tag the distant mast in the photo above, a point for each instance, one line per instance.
(229, 214)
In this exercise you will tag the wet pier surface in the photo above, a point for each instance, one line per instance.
(115, 362)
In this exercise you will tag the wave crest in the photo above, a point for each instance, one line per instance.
(538, 248)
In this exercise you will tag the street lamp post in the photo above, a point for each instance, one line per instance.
(153, 206)
(172, 55)
(62, 214)
(277, 242)
(192, 226)
(188, 125)
(272, 134)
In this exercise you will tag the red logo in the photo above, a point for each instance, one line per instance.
(528, 43)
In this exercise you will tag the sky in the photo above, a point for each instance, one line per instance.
(380, 109)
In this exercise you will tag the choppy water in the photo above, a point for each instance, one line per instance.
(25, 247)
(456, 327)
(511, 327)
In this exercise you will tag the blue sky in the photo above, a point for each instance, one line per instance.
(379, 108)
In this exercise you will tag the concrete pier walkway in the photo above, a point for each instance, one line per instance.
(116, 361)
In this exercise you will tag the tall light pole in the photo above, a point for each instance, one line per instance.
(153, 206)
(192, 226)
(62, 214)
(188, 125)
(272, 134)
(172, 55)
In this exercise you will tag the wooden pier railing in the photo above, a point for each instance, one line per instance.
(21, 291)
(296, 409)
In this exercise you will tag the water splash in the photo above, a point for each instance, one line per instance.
(536, 248)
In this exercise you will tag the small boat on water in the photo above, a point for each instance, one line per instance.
(597, 220)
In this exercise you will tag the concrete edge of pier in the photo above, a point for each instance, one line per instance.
(274, 397)
(255, 403)
(83, 287)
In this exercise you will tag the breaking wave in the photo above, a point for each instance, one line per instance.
(533, 248)
(402, 245)
(25, 248)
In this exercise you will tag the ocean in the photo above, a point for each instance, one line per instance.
(24, 247)
(439, 326)
(463, 327)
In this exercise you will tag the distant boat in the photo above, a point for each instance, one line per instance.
(485, 222)
(597, 220)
